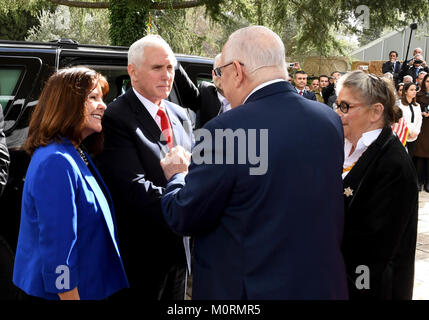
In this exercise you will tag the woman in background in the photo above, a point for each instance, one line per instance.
(421, 151)
(412, 115)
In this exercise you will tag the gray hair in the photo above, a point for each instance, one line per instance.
(408, 77)
(371, 90)
(216, 60)
(256, 47)
(136, 50)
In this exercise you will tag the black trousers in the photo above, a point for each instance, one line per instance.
(151, 284)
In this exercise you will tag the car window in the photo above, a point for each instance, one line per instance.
(117, 77)
(9, 79)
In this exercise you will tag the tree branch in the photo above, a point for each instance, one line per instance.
(154, 6)
(176, 4)
(82, 4)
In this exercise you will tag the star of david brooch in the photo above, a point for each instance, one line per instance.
(348, 192)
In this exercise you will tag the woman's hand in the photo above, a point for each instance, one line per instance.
(70, 295)
(412, 135)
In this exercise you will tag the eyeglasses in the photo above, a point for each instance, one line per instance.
(218, 72)
(344, 107)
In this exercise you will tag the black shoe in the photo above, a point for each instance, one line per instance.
(427, 187)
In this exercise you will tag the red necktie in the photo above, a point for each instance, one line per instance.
(165, 127)
(300, 92)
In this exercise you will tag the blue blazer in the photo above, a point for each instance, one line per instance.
(276, 235)
(67, 236)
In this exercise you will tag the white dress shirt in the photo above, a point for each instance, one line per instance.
(225, 105)
(151, 107)
(361, 146)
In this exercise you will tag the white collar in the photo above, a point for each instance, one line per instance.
(298, 90)
(364, 142)
(261, 86)
(149, 105)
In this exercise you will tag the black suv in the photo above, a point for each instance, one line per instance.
(24, 68)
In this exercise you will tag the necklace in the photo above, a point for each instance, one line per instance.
(83, 156)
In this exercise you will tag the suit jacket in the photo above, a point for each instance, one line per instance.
(4, 155)
(202, 100)
(261, 236)
(309, 95)
(66, 221)
(411, 70)
(130, 165)
(388, 66)
(381, 220)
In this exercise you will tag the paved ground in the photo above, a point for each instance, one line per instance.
(421, 277)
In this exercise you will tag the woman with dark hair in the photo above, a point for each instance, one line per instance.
(421, 151)
(412, 115)
(398, 92)
(67, 246)
(380, 192)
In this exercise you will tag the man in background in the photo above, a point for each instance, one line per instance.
(207, 101)
(300, 80)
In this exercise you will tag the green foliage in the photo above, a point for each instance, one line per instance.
(128, 21)
(83, 25)
(14, 24)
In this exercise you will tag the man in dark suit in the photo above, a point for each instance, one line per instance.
(267, 227)
(392, 66)
(207, 100)
(413, 67)
(300, 80)
(139, 128)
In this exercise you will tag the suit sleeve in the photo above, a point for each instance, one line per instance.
(193, 204)
(123, 171)
(54, 189)
(189, 93)
(4, 155)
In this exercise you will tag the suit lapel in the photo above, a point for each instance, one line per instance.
(143, 116)
(355, 177)
(99, 195)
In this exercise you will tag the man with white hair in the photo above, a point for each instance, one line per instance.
(207, 100)
(262, 234)
(139, 128)
(414, 67)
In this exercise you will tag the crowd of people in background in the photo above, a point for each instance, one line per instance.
(339, 199)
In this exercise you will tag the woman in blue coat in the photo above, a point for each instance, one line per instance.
(67, 246)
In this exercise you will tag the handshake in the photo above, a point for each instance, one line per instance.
(176, 161)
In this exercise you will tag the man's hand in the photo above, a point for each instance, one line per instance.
(176, 161)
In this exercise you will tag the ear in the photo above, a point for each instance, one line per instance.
(377, 111)
(239, 75)
(131, 68)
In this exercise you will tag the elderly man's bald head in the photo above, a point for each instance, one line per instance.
(256, 47)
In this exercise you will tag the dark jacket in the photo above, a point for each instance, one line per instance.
(4, 155)
(272, 235)
(411, 71)
(381, 220)
(130, 166)
(422, 143)
(203, 100)
(394, 69)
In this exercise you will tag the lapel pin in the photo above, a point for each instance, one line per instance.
(348, 192)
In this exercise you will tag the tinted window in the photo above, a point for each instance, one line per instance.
(9, 78)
